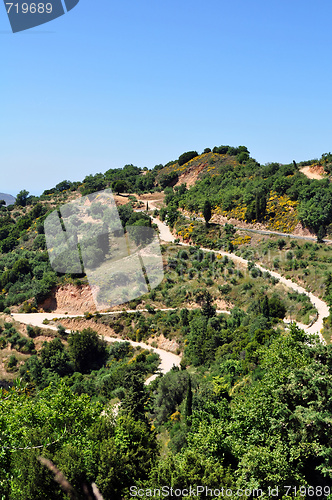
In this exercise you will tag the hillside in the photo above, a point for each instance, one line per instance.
(8, 198)
(237, 187)
(272, 196)
(249, 406)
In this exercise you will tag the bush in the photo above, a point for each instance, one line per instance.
(12, 362)
(289, 255)
(281, 243)
(31, 331)
(276, 308)
(87, 350)
(183, 254)
(185, 157)
(255, 272)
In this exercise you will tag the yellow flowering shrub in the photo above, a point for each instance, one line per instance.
(176, 416)
(281, 213)
(241, 240)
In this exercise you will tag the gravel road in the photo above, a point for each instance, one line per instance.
(168, 359)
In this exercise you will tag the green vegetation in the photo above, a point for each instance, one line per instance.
(250, 405)
(87, 365)
(280, 196)
(26, 276)
(247, 402)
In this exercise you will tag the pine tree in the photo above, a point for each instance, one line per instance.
(135, 399)
(207, 308)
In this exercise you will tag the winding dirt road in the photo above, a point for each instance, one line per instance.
(321, 306)
(168, 359)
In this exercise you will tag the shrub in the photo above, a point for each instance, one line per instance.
(255, 272)
(185, 157)
(31, 331)
(281, 243)
(183, 254)
(276, 308)
(12, 362)
(224, 288)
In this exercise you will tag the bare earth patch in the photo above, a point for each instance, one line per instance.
(223, 305)
(314, 172)
(81, 324)
(70, 299)
(190, 176)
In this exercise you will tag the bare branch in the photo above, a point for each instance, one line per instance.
(96, 492)
(58, 477)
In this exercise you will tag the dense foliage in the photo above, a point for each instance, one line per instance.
(238, 186)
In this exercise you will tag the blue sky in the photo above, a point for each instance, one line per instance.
(141, 82)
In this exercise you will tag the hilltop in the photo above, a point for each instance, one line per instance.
(273, 196)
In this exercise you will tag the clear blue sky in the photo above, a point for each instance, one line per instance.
(116, 82)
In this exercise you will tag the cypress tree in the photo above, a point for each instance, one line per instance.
(265, 307)
(207, 213)
(321, 233)
(189, 401)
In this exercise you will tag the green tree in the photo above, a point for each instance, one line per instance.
(120, 186)
(321, 234)
(265, 307)
(126, 457)
(45, 425)
(208, 310)
(22, 198)
(185, 157)
(207, 212)
(189, 402)
(172, 215)
(87, 350)
(54, 356)
(277, 308)
(135, 398)
(260, 205)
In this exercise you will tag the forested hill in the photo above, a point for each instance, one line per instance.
(236, 185)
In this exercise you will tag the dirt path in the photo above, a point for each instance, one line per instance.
(164, 231)
(265, 231)
(321, 306)
(168, 359)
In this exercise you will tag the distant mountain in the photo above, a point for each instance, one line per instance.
(9, 199)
